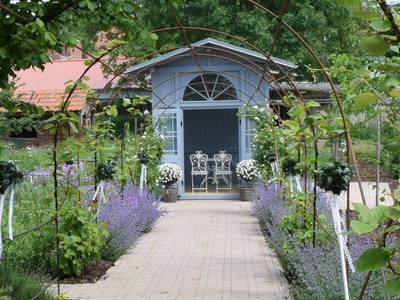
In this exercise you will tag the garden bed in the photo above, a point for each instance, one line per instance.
(89, 239)
(92, 272)
(312, 272)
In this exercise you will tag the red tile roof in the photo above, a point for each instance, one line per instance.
(57, 73)
(46, 88)
(51, 100)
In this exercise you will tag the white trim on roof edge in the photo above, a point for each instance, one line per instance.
(214, 42)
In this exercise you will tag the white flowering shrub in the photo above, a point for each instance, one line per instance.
(169, 174)
(247, 170)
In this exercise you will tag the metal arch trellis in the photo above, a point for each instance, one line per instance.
(350, 150)
(264, 70)
(300, 96)
(232, 75)
(347, 135)
(313, 130)
(348, 139)
(261, 78)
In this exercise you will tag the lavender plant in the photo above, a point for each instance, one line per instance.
(313, 272)
(127, 216)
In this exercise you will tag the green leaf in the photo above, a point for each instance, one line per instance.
(374, 45)
(309, 121)
(393, 286)
(393, 213)
(361, 228)
(91, 5)
(380, 25)
(355, 83)
(395, 93)
(389, 37)
(367, 15)
(312, 104)
(365, 99)
(149, 38)
(364, 213)
(113, 111)
(379, 213)
(394, 49)
(39, 23)
(126, 102)
(393, 228)
(372, 259)
(73, 127)
(352, 4)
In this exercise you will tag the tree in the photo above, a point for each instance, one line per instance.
(31, 28)
(328, 27)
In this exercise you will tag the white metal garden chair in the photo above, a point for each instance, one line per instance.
(223, 170)
(199, 162)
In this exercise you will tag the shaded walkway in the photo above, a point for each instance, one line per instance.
(199, 250)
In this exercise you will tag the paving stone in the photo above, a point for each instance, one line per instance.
(212, 249)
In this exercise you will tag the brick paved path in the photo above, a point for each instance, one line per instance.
(199, 250)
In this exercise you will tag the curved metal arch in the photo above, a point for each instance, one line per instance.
(226, 58)
(196, 72)
(234, 54)
(246, 43)
(286, 74)
(177, 99)
(219, 56)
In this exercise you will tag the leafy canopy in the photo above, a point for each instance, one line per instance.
(327, 26)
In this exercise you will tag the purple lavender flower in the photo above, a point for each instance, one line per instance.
(313, 272)
(128, 215)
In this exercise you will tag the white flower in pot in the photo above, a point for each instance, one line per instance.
(169, 176)
(248, 172)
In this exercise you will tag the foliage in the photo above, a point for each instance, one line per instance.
(106, 171)
(32, 207)
(16, 284)
(334, 176)
(382, 223)
(298, 220)
(147, 142)
(27, 158)
(30, 29)
(267, 140)
(370, 86)
(81, 239)
(17, 125)
(313, 272)
(127, 216)
(9, 175)
(289, 166)
(327, 26)
(169, 174)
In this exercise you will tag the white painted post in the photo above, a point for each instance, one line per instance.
(339, 233)
(10, 214)
(291, 184)
(143, 175)
(2, 200)
(298, 183)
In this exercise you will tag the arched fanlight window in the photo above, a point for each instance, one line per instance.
(209, 87)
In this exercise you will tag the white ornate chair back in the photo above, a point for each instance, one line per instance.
(222, 162)
(199, 162)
